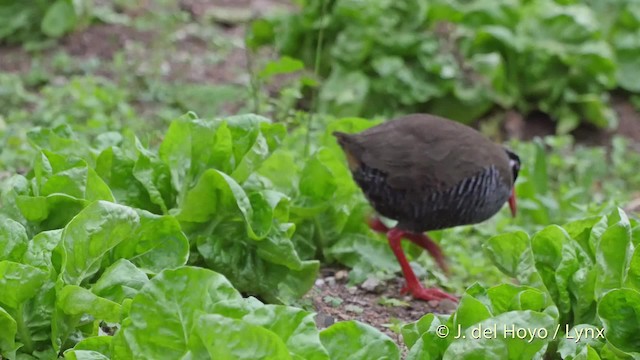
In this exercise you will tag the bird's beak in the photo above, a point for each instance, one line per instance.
(512, 202)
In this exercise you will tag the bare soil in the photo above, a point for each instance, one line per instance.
(380, 305)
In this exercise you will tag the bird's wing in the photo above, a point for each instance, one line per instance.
(431, 156)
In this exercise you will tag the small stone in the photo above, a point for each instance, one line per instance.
(342, 275)
(352, 290)
(373, 285)
(332, 301)
(324, 320)
(319, 282)
(354, 309)
(330, 281)
(447, 306)
(434, 303)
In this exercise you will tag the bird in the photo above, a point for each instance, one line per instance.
(429, 173)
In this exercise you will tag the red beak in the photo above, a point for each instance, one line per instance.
(512, 202)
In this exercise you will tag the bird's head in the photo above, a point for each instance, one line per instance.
(514, 164)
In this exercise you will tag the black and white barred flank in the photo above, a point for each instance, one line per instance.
(472, 200)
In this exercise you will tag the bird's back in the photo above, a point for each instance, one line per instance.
(429, 173)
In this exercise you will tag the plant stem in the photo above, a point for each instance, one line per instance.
(23, 331)
(316, 70)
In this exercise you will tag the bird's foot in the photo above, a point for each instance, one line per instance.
(427, 294)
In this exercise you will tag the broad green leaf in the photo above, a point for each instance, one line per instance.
(155, 176)
(158, 243)
(173, 301)
(317, 181)
(424, 337)
(33, 208)
(354, 340)
(470, 311)
(577, 339)
(248, 264)
(619, 311)
(13, 240)
(218, 337)
(119, 281)
(284, 65)
(633, 273)
(296, 327)
(84, 355)
(512, 254)
(186, 148)
(365, 254)
(251, 147)
(505, 337)
(74, 300)
(40, 249)
(215, 195)
(613, 253)
(19, 282)
(80, 182)
(557, 258)
(91, 234)
(7, 335)
(118, 169)
(509, 297)
(101, 344)
(59, 18)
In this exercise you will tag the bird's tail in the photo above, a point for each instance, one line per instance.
(343, 138)
(346, 141)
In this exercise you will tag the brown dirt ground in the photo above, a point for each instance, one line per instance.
(335, 300)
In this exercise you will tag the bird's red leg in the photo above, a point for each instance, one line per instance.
(376, 225)
(421, 240)
(413, 285)
(434, 250)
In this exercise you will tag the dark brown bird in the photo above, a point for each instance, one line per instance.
(429, 173)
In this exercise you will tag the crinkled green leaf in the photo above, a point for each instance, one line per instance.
(13, 240)
(118, 169)
(512, 254)
(423, 338)
(470, 311)
(19, 282)
(497, 345)
(294, 326)
(120, 281)
(7, 335)
(84, 355)
(613, 253)
(243, 261)
(215, 336)
(74, 300)
(59, 18)
(576, 341)
(173, 301)
(53, 211)
(354, 340)
(633, 273)
(157, 243)
(217, 195)
(91, 234)
(508, 297)
(619, 310)
(186, 148)
(40, 249)
(101, 344)
(155, 176)
(557, 258)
